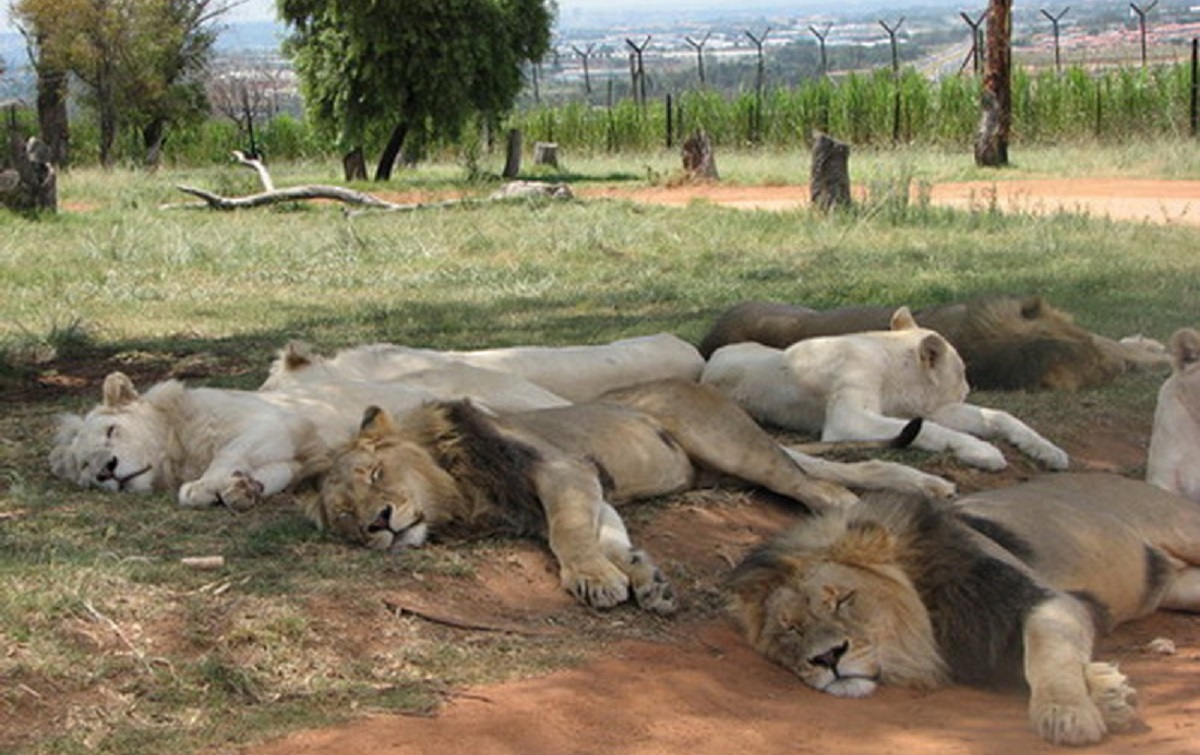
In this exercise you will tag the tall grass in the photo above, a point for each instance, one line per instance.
(1077, 105)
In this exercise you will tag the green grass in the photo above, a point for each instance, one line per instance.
(102, 627)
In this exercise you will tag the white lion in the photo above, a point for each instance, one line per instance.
(576, 373)
(863, 386)
(1174, 456)
(236, 447)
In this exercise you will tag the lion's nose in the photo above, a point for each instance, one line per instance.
(829, 659)
(108, 471)
(382, 521)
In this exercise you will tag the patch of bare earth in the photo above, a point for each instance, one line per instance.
(690, 684)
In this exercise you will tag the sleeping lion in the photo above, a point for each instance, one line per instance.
(1007, 342)
(1010, 585)
(865, 386)
(558, 473)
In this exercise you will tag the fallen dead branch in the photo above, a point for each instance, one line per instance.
(271, 195)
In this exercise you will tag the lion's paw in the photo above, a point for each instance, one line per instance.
(1113, 695)
(936, 487)
(598, 584)
(242, 492)
(1068, 724)
(1054, 457)
(198, 493)
(651, 588)
(983, 455)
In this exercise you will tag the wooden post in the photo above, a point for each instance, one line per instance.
(995, 119)
(829, 180)
(670, 122)
(545, 153)
(512, 155)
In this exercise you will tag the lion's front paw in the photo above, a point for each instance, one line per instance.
(1068, 723)
(197, 494)
(936, 487)
(597, 583)
(983, 455)
(1054, 457)
(242, 492)
(1113, 695)
(651, 588)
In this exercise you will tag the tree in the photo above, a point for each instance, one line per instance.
(995, 118)
(138, 60)
(387, 69)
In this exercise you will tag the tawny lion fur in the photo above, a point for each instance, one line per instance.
(1007, 342)
(560, 472)
(865, 386)
(1011, 585)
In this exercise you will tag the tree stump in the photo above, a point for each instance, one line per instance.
(31, 183)
(545, 153)
(354, 165)
(512, 155)
(829, 181)
(698, 159)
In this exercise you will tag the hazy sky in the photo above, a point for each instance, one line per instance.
(265, 9)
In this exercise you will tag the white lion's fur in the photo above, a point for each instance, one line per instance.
(864, 386)
(1174, 456)
(576, 373)
(217, 445)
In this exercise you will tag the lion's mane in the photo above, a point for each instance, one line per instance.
(916, 561)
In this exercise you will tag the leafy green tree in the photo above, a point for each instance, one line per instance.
(391, 68)
(138, 60)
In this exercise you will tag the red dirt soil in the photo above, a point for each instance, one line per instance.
(702, 691)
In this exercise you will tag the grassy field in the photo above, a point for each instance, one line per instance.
(108, 644)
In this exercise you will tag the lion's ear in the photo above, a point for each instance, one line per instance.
(932, 351)
(118, 390)
(376, 423)
(1032, 307)
(865, 542)
(296, 355)
(751, 584)
(1185, 348)
(902, 319)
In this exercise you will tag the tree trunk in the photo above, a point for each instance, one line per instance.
(387, 160)
(53, 122)
(107, 111)
(512, 155)
(829, 180)
(354, 165)
(154, 135)
(995, 117)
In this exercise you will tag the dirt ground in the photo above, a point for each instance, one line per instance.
(693, 686)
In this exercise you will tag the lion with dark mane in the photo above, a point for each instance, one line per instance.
(1007, 342)
(1010, 585)
(558, 473)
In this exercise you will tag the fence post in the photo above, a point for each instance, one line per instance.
(1195, 84)
(670, 115)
